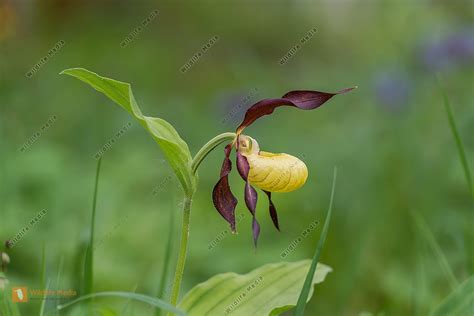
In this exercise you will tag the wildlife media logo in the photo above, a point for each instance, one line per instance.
(20, 294)
(24, 294)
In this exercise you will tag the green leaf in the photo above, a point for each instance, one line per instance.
(459, 302)
(268, 290)
(133, 296)
(175, 149)
(308, 285)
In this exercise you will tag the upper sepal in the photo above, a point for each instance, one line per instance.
(302, 99)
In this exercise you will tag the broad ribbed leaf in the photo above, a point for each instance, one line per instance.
(155, 302)
(176, 150)
(459, 302)
(268, 290)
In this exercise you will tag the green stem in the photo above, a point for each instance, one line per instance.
(183, 250)
(208, 147)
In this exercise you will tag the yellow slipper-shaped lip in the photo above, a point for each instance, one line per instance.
(272, 172)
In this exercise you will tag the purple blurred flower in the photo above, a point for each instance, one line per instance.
(392, 88)
(449, 51)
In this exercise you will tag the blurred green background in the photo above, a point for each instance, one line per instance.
(390, 139)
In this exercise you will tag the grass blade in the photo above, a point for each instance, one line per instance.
(441, 258)
(43, 278)
(464, 163)
(301, 305)
(457, 303)
(134, 296)
(128, 308)
(167, 261)
(58, 281)
(7, 307)
(43, 265)
(457, 138)
(89, 260)
(43, 302)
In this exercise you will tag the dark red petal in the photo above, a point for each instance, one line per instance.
(251, 202)
(224, 201)
(305, 100)
(242, 166)
(250, 194)
(255, 231)
(227, 164)
(250, 198)
(272, 209)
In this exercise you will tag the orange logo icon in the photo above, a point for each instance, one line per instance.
(20, 294)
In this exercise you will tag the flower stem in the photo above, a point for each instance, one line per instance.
(208, 147)
(183, 250)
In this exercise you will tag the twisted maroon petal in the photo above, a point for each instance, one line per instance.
(243, 166)
(251, 202)
(224, 201)
(250, 194)
(272, 209)
(302, 99)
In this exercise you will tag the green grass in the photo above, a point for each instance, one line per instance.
(89, 259)
(167, 260)
(457, 138)
(301, 305)
(430, 239)
(44, 282)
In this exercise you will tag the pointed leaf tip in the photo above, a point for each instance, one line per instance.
(174, 147)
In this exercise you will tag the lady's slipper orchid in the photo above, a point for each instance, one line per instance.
(267, 171)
